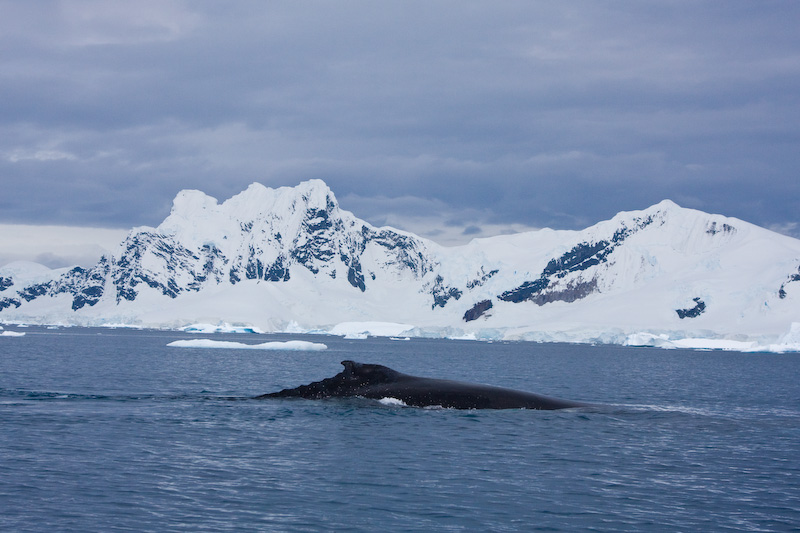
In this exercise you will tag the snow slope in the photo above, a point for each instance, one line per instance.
(290, 259)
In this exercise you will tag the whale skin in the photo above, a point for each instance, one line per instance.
(379, 382)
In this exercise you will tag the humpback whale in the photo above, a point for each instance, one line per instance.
(378, 382)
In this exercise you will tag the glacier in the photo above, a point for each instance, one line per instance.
(291, 260)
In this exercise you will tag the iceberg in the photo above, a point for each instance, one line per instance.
(231, 345)
(219, 328)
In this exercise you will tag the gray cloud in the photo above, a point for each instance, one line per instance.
(520, 114)
(471, 230)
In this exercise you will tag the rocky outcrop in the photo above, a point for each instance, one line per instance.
(693, 312)
(477, 310)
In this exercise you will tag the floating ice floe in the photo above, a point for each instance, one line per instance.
(788, 343)
(219, 328)
(288, 345)
(11, 333)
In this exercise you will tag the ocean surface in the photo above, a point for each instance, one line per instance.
(111, 430)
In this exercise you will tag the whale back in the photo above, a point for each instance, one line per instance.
(349, 382)
(378, 381)
(367, 374)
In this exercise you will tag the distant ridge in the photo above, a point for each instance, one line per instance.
(292, 259)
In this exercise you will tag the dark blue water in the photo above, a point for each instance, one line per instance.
(104, 430)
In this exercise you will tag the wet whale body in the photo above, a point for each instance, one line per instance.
(378, 382)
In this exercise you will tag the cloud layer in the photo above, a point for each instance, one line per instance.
(57, 246)
(453, 119)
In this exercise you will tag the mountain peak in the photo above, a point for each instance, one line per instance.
(666, 205)
(275, 256)
(315, 188)
(316, 195)
(257, 201)
(188, 203)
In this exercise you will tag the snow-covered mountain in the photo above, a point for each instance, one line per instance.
(291, 259)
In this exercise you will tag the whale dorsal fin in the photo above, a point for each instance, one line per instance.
(368, 373)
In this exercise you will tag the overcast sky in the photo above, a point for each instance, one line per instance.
(452, 119)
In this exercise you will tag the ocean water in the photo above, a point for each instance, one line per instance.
(111, 430)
